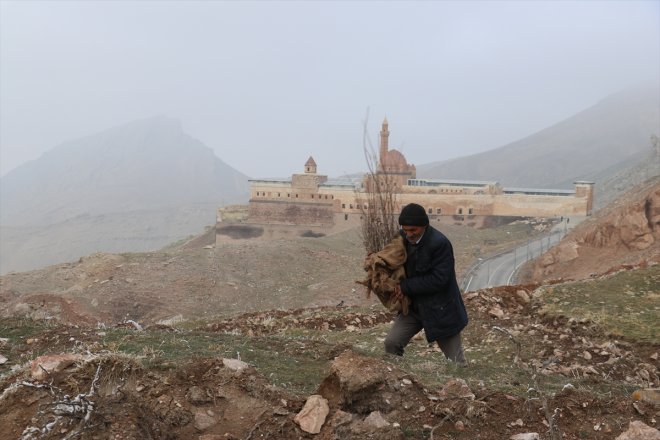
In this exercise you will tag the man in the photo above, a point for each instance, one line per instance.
(431, 286)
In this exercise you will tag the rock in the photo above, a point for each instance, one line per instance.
(523, 296)
(21, 309)
(3, 360)
(376, 420)
(235, 364)
(312, 417)
(471, 295)
(340, 418)
(639, 431)
(648, 395)
(203, 421)
(459, 426)
(43, 366)
(197, 396)
(351, 374)
(496, 312)
(456, 388)
(526, 436)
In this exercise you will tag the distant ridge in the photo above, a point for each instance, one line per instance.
(594, 144)
(141, 186)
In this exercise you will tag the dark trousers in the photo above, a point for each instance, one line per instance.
(407, 326)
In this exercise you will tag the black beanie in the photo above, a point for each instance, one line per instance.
(413, 215)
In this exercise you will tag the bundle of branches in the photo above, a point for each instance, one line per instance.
(386, 252)
(377, 203)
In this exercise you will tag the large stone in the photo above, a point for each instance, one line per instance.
(43, 366)
(351, 375)
(312, 417)
(639, 431)
(456, 388)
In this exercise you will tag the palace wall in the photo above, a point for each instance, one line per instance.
(290, 205)
(290, 213)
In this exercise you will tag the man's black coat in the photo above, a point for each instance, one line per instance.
(431, 285)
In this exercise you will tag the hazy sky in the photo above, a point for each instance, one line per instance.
(266, 84)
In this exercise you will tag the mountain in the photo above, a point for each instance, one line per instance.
(594, 145)
(134, 187)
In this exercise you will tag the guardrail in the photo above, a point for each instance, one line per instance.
(468, 275)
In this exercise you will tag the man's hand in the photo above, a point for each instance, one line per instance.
(397, 295)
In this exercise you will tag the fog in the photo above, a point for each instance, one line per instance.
(267, 84)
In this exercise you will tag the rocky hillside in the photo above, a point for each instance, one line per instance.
(595, 144)
(626, 233)
(131, 188)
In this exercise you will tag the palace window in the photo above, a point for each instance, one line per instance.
(343, 206)
(430, 210)
(460, 211)
(470, 211)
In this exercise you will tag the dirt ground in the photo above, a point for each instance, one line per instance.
(110, 395)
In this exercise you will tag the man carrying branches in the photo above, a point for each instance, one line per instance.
(430, 287)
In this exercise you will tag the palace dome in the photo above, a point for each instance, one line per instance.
(394, 161)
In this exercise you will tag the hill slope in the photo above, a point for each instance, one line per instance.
(135, 187)
(592, 145)
(626, 232)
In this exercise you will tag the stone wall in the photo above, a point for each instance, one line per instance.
(292, 213)
(285, 203)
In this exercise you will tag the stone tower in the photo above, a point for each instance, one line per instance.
(310, 166)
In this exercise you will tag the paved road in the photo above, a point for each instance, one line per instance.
(500, 270)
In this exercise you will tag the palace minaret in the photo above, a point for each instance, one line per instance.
(384, 139)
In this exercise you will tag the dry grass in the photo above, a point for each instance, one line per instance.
(625, 304)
